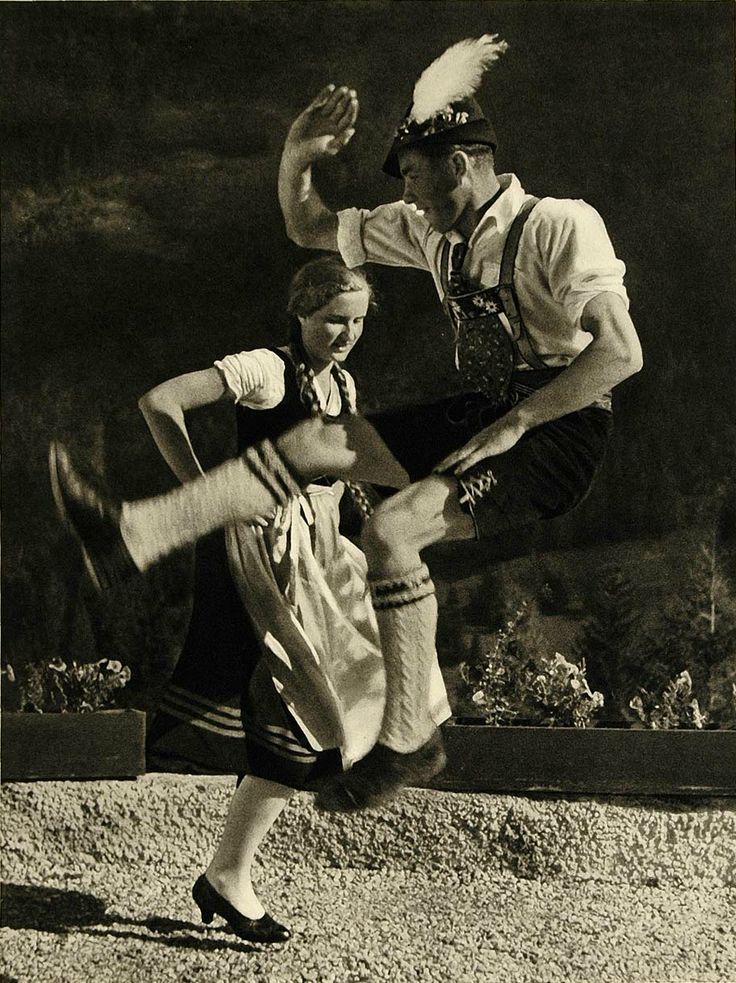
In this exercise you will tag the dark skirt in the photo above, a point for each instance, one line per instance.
(220, 713)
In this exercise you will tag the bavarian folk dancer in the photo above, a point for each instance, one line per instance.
(280, 678)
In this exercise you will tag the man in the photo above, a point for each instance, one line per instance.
(535, 296)
(540, 381)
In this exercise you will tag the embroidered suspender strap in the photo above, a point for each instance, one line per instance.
(506, 287)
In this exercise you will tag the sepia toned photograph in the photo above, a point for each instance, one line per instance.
(369, 491)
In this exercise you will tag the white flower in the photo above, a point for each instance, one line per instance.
(479, 696)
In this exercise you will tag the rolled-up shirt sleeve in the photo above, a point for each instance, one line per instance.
(255, 379)
(580, 259)
(394, 235)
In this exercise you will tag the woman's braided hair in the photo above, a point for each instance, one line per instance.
(314, 285)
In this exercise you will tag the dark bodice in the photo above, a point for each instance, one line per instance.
(256, 425)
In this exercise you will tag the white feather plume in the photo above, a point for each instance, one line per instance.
(455, 74)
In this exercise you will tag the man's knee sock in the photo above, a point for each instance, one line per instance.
(406, 610)
(237, 491)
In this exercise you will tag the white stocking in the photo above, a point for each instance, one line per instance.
(406, 611)
(239, 490)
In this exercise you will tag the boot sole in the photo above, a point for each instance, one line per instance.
(337, 798)
(64, 515)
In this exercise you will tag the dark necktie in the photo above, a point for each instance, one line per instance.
(457, 284)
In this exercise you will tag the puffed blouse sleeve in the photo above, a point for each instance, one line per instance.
(255, 379)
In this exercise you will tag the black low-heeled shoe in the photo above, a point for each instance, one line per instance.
(210, 903)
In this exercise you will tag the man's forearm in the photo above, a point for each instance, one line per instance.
(593, 374)
(309, 222)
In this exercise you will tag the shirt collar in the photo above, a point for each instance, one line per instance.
(501, 213)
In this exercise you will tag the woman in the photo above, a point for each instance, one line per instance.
(313, 690)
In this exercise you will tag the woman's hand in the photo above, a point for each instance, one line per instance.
(496, 439)
(325, 126)
(262, 521)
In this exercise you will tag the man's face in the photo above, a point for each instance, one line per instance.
(432, 187)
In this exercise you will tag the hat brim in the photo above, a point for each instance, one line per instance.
(474, 131)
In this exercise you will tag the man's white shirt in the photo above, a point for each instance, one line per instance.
(565, 258)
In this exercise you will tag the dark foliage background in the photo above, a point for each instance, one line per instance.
(142, 238)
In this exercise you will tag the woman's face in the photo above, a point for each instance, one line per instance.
(328, 335)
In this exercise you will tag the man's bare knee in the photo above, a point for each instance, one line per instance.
(392, 527)
(362, 453)
(422, 514)
(344, 447)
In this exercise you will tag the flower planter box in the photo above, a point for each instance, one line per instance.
(103, 744)
(482, 758)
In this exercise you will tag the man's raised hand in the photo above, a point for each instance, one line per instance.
(326, 125)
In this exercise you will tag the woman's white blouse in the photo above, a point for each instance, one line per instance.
(255, 379)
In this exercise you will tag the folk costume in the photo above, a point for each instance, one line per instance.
(514, 306)
(281, 674)
(514, 294)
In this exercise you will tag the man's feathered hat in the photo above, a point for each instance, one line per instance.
(443, 109)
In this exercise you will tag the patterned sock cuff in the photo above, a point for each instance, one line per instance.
(281, 467)
(271, 468)
(398, 591)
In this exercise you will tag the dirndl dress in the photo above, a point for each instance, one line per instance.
(281, 674)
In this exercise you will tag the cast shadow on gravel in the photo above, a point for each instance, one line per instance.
(49, 909)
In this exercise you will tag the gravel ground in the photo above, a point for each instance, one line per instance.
(439, 887)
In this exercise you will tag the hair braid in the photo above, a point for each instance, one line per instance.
(310, 400)
(357, 490)
(305, 379)
(346, 396)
